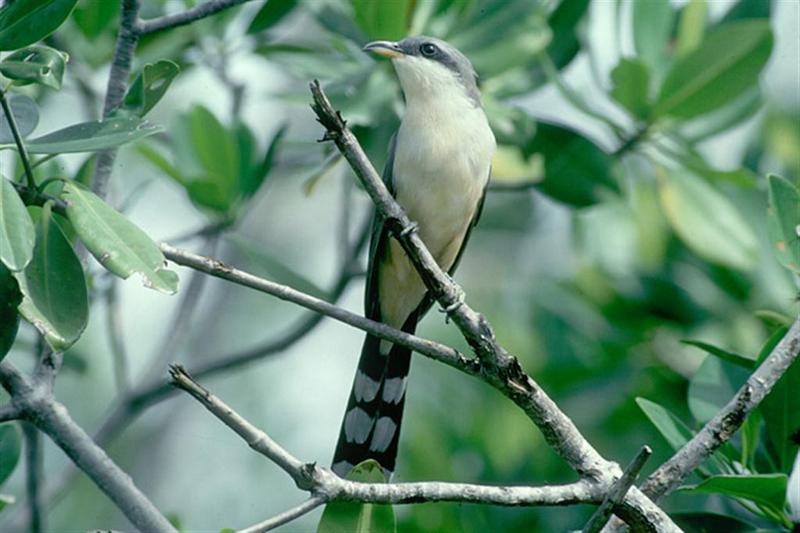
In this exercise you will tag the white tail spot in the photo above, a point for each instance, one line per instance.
(357, 424)
(365, 388)
(384, 432)
(394, 389)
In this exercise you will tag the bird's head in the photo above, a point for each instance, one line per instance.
(429, 68)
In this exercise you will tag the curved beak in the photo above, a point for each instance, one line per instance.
(385, 48)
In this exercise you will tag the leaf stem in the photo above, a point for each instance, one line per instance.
(23, 152)
(38, 162)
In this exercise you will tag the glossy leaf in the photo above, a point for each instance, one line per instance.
(631, 87)
(10, 448)
(118, 244)
(26, 113)
(725, 355)
(91, 136)
(707, 222)
(23, 22)
(671, 427)
(35, 64)
(10, 298)
(270, 14)
(652, 27)
(725, 65)
(577, 171)
(764, 489)
(783, 221)
(382, 20)
(53, 285)
(349, 517)
(17, 234)
(149, 87)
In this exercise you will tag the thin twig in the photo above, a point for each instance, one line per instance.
(728, 420)
(287, 516)
(23, 152)
(617, 494)
(34, 471)
(198, 12)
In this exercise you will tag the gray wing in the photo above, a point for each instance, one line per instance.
(377, 245)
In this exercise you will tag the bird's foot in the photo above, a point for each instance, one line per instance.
(408, 230)
(458, 302)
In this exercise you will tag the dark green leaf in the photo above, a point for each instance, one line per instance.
(54, 288)
(748, 9)
(652, 26)
(725, 355)
(10, 298)
(35, 64)
(726, 64)
(764, 489)
(577, 171)
(631, 88)
(23, 22)
(270, 14)
(215, 147)
(707, 222)
(211, 193)
(383, 20)
(252, 182)
(17, 234)
(26, 113)
(563, 22)
(349, 517)
(783, 221)
(671, 427)
(710, 523)
(149, 87)
(711, 388)
(781, 409)
(91, 136)
(117, 243)
(94, 16)
(10, 447)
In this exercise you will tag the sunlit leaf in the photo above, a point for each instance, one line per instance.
(726, 64)
(149, 87)
(10, 448)
(25, 112)
(783, 221)
(17, 234)
(671, 427)
(23, 22)
(270, 14)
(350, 517)
(631, 88)
(764, 489)
(10, 298)
(115, 242)
(54, 288)
(707, 222)
(35, 64)
(691, 27)
(91, 136)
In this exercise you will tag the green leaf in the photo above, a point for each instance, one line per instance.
(763, 489)
(23, 22)
(711, 388)
(726, 64)
(26, 113)
(577, 171)
(252, 182)
(216, 149)
(691, 27)
(10, 447)
(350, 517)
(781, 410)
(10, 298)
(6, 500)
(91, 136)
(563, 22)
(17, 234)
(748, 9)
(631, 81)
(35, 64)
(149, 87)
(783, 221)
(115, 242)
(709, 522)
(725, 355)
(751, 435)
(670, 426)
(270, 14)
(383, 20)
(93, 17)
(652, 27)
(707, 222)
(53, 285)
(159, 161)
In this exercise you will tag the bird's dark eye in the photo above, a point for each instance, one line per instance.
(428, 49)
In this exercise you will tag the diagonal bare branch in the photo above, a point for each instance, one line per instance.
(200, 11)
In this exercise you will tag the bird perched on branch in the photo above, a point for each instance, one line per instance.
(437, 169)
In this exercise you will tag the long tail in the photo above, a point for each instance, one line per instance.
(371, 425)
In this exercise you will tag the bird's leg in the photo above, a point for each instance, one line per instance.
(457, 302)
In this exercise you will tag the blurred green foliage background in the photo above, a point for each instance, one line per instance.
(628, 213)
